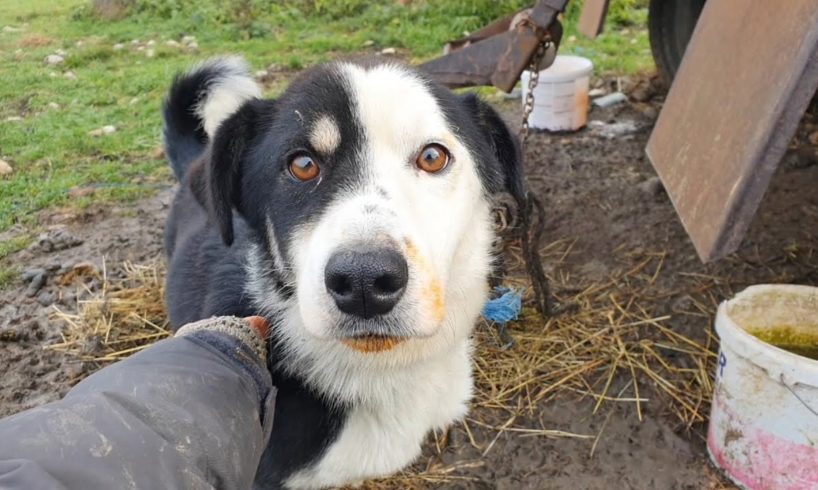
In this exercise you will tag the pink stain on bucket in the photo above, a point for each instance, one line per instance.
(773, 463)
(764, 420)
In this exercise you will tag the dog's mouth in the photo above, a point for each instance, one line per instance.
(372, 343)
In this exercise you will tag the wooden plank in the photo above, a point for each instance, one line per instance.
(747, 77)
(592, 18)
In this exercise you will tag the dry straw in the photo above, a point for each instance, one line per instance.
(121, 317)
(606, 343)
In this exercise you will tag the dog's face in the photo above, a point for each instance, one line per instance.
(369, 191)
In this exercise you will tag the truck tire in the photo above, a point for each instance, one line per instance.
(670, 26)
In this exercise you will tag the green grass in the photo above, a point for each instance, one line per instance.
(7, 275)
(8, 271)
(15, 244)
(50, 149)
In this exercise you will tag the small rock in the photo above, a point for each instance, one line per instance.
(610, 100)
(46, 298)
(29, 274)
(70, 75)
(172, 43)
(37, 283)
(60, 52)
(150, 43)
(105, 130)
(188, 39)
(53, 105)
(54, 59)
(118, 47)
(140, 48)
(261, 73)
(55, 240)
(150, 53)
(5, 168)
(13, 119)
(653, 186)
(597, 92)
(388, 51)
(613, 130)
(81, 191)
(79, 44)
(133, 101)
(368, 43)
(134, 41)
(12, 29)
(194, 45)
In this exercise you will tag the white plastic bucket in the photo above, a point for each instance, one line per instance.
(764, 421)
(561, 94)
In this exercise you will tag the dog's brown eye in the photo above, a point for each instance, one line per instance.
(303, 167)
(433, 158)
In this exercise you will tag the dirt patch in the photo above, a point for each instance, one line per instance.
(606, 212)
(62, 266)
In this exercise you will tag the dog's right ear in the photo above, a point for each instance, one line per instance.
(216, 179)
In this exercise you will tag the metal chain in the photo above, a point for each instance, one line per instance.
(532, 208)
(534, 77)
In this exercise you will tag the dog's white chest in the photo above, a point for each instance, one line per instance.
(382, 437)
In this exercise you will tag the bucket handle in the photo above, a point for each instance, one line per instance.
(797, 397)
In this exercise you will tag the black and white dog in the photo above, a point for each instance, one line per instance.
(354, 212)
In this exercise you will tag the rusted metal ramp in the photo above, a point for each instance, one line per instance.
(747, 77)
(498, 53)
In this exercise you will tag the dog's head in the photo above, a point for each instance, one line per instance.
(368, 189)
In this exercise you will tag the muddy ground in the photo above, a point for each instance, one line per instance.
(600, 193)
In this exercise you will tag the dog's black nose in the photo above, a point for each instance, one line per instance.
(366, 283)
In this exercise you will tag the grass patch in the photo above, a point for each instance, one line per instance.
(115, 72)
(9, 272)
(15, 244)
(7, 275)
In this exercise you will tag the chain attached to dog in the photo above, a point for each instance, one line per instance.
(524, 216)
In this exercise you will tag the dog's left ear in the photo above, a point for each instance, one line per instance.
(506, 174)
(502, 176)
(217, 183)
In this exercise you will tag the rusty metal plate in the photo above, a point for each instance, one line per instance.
(747, 77)
(592, 19)
(493, 57)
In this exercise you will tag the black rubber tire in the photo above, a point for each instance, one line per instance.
(670, 26)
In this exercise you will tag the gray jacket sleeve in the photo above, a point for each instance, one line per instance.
(189, 412)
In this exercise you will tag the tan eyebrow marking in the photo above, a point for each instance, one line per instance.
(325, 136)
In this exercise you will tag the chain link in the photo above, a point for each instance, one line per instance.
(534, 78)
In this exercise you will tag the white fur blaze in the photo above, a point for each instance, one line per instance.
(232, 87)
